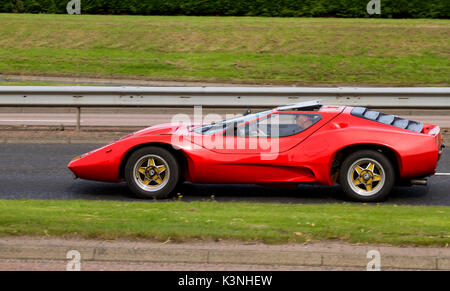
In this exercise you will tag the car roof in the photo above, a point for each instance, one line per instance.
(303, 106)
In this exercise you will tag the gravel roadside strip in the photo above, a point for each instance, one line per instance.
(88, 135)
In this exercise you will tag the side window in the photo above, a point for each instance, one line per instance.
(279, 125)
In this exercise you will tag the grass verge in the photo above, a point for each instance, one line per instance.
(269, 223)
(256, 50)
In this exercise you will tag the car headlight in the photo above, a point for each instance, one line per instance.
(80, 156)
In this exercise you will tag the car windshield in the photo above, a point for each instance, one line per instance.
(215, 127)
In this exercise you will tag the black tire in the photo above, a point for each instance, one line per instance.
(369, 189)
(134, 179)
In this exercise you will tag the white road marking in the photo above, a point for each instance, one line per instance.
(442, 174)
(34, 120)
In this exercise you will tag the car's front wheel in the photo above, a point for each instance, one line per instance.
(367, 176)
(152, 172)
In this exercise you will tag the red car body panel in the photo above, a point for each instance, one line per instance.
(306, 157)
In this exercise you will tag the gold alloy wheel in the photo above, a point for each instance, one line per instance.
(151, 173)
(366, 177)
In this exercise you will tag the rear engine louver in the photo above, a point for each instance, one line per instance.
(387, 119)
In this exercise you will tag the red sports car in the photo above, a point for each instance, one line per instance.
(365, 151)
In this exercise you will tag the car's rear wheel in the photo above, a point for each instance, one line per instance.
(367, 176)
(152, 172)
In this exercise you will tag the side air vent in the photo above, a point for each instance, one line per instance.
(387, 119)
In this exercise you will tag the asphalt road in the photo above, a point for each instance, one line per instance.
(134, 119)
(32, 171)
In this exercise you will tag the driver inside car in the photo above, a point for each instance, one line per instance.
(292, 124)
(303, 122)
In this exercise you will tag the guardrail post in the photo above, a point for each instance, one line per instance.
(78, 125)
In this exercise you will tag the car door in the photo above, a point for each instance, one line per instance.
(258, 151)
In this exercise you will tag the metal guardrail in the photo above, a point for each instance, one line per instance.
(433, 97)
(93, 96)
